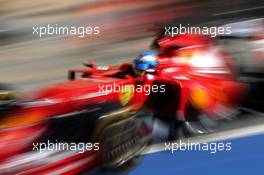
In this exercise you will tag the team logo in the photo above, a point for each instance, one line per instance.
(126, 94)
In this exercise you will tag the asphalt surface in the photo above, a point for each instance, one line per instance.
(244, 158)
(245, 135)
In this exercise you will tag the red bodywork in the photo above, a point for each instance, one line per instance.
(30, 121)
(188, 73)
(197, 68)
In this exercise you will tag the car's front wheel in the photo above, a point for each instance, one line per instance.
(122, 143)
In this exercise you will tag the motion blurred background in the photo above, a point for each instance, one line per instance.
(126, 27)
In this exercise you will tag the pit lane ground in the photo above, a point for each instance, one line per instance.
(246, 136)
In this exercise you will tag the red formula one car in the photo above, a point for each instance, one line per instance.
(94, 118)
(75, 126)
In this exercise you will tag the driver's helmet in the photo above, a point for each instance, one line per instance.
(145, 60)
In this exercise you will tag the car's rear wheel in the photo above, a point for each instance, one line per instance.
(198, 122)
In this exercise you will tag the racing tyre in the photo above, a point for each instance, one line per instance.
(122, 144)
(198, 123)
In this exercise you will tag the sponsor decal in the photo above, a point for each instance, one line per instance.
(126, 94)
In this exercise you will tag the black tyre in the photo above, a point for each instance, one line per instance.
(197, 122)
(122, 144)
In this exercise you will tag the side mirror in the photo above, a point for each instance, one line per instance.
(89, 64)
(71, 75)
